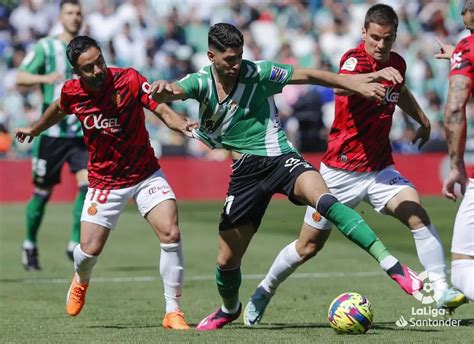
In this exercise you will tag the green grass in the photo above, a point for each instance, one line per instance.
(32, 305)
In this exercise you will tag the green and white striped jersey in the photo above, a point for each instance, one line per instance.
(48, 56)
(247, 120)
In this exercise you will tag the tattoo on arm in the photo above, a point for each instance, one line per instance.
(455, 118)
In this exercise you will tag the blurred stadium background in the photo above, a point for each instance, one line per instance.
(168, 39)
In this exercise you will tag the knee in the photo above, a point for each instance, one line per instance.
(91, 246)
(170, 234)
(227, 261)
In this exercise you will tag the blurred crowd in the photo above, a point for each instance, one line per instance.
(166, 39)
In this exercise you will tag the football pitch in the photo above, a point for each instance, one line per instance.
(125, 298)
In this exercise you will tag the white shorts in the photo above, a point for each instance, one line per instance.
(463, 234)
(104, 207)
(350, 188)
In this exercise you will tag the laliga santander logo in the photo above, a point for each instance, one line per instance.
(427, 294)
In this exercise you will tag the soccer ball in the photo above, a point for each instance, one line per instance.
(351, 313)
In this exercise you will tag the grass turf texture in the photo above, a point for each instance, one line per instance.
(125, 302)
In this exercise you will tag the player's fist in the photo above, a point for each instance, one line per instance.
(22, 133)
(456, 176)
(373, 90)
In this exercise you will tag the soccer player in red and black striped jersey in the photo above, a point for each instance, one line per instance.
(461, 86)
(122, 165)
(358, 166)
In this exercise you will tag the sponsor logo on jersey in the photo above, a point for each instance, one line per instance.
(92, 210)
(209, 125)
(278, 74)
(165, 189)
(390, 95)
(98, 122)
(350, 64)
(456, 60)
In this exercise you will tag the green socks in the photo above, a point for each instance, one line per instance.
(353, 226)
(228, 284)
(76, 215)
(34, 215)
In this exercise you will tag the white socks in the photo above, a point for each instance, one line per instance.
(171, 270)
(388, 262)
(431, 255)
(83, 264)
(283, 266)
(462, 276)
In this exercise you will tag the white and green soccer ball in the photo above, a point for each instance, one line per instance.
(351, 313)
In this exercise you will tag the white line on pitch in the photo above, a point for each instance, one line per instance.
(204, 277)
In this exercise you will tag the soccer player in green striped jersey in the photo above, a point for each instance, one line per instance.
(47, 66)
(237, 112)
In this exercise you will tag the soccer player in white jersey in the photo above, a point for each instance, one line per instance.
(47, 66)
(238, 113)
(461, 85)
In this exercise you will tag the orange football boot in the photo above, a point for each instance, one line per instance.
(175, 321)
(76, 297)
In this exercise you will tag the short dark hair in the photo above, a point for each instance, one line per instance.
(71, 2)
(223, 36)
(77, 46)
(382, 15)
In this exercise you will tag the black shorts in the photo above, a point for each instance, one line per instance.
(254, 180)
(50, 154)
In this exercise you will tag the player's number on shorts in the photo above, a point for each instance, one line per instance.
(102, 195)
(39, 167)
(228, 204)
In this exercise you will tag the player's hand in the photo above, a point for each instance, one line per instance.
(373, 90)
(422, 134)
(53, 78)
(160, 89)
(22, 133)
(389, 74)
(190, 125)
(445, 50)
(456, 176)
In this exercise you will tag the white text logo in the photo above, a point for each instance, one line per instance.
(98, 122)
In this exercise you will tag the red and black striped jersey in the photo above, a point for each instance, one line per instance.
(462, 63)
(462, 60)
(113, 121)
(359, 136)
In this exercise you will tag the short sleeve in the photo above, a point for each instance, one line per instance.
(190, 85)
(462, 60)
(65, 100)
(34, 61)
(274, 76)
(142, 89)
(354, 62)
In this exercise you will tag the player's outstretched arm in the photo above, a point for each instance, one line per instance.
(164, 92)
(388, 74)
(174, 121)
(328, 79)
(455, 128)
(29, 79)
(410, 106)
(51, 116)
(445, 50)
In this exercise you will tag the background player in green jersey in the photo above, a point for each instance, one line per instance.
(237, 112)
(48, 67)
